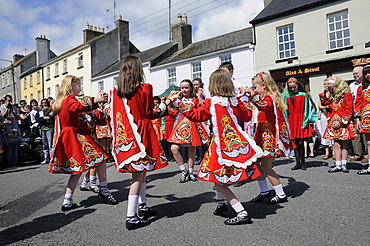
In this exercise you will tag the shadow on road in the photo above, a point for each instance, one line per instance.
(294, 188)
(16, 170)
(181, 206)
(40, 225)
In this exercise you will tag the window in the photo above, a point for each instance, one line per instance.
(101, 86)
(31, 96)
(56, 69)
(39, 96)
(48, 92)
(171, 72)
(8, 79)
(196, 70)
(80, 60)
(25, 98)
(115, 80)
(226, 58)
(286, 44)
(48, 73)
(31, 80)
(2, 80)
(82, 86)
(38, 77)
(338, 30)
(64, 66)
(56, 89)
(25, 83)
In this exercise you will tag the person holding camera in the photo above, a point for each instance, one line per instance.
(10, 116)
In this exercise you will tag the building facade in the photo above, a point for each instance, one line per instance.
(311, 40)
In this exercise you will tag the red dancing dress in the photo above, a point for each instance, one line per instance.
(342, 112)
(362, 108)
(187, 132)
(135, 144)
(272, 133)
(298, 114)
(231, 155)
(104, 130)
(74, 151)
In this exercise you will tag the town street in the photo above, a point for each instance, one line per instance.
(323, 209)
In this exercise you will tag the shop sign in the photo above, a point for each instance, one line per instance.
(302, 71)
(360, 61)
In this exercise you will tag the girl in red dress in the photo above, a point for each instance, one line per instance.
(340, 126)
(272, 134)
(136, 148)
(297, 102)
(362, 111)
(231, 155)
(187, 133)
(74, 151)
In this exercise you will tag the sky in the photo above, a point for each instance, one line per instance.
(63, 21)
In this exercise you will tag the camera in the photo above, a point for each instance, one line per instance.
(9, 105)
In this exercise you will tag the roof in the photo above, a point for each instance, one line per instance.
(278, 8)
(150, 55)
(222, 42)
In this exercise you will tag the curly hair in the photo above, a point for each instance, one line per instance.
(341, 88)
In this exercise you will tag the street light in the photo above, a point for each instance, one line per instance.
(12, 65)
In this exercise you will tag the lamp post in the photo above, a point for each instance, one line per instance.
(12, 66)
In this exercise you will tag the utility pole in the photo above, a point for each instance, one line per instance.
(169, 20)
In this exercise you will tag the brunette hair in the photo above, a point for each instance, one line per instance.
(297, 82)
(34, 101)
(193, 92)
(65, 90)
(47, 102)
(220, 84)
(365, 82)
(131, 76)
(270, 89)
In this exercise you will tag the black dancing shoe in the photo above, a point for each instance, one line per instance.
(344, 169)
(192, 177)
(221, 209)
(135, 223)
(67, 208)
(364, 172)
(260, 197)
(184, 176)
(108, 198)
(86, 188)
(238, 220)
(276, 199)
(146, 212)
(335, 170)
(296, 167)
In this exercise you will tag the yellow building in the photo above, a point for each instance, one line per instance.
(32, 85)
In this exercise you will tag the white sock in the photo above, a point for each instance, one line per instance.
(132, 205)
(182, 167)
(338, 164)
(344, 163)
(85, 181)
(263, 187)
(279, 191)
(191, 170)
(220, 199)
(93, 181)
(142, 194)
(239, 209)
(103, 188)
(67, 200)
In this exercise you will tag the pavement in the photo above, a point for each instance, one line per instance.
(322, 209)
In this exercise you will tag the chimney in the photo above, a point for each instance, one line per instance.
(182, 32)
(123, 37)
(42, 50)
(17, 57)
(92, 32)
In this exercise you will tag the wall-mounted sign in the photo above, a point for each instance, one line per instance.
(360, 61)
(302, 71)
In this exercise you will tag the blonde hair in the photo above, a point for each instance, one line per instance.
(220, 84)
(341, 88)
(131, 76)
(65, 90)
(271, 89)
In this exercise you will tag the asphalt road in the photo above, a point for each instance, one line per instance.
(323, 209)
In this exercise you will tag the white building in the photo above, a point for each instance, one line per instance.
(311, 40)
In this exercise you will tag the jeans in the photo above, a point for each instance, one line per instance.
(12, 153)
(47, 141)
